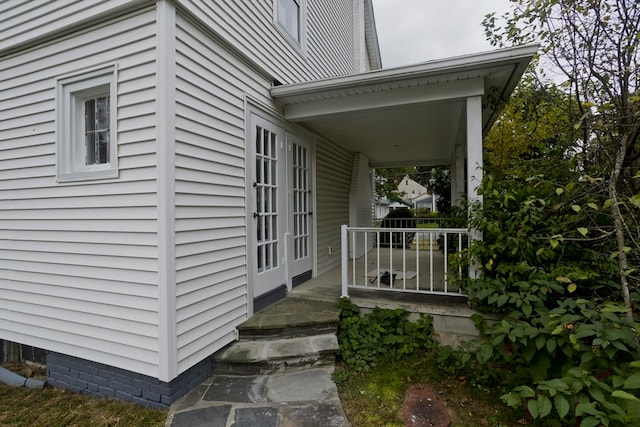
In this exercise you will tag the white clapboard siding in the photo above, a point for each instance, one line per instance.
(79, 261)
(210, 215)
(333, 178)
(22, 21)
(249, 26)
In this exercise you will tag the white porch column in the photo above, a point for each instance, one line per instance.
(474, 161)
(360, 192)
(457, 176)
(474, 148)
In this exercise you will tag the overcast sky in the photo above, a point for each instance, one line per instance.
(412, 31)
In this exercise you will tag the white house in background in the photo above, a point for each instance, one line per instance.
(169, 167)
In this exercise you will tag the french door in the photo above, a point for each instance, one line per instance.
(280, 203)
(300, 202)
(268, 218)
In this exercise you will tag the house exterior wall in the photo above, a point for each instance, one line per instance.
(249, 27)
(333, 179)
(23, 21)
(148, 271)
(211, 258)
(79, 271)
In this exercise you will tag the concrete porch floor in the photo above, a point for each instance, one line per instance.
(451, 314)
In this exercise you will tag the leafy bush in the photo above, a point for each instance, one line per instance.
(365, 340)
(566, 344)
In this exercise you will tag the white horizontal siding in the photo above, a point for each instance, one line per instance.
(333, 178)
(249, 26)
(24, 20)
(79, 261)
(211, 271)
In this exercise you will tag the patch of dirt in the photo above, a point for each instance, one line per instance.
(27, 370)
(422, 408)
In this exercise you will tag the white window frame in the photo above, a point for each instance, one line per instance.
(71, 93)
(300, 41)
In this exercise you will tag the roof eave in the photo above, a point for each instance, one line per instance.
(519, 57)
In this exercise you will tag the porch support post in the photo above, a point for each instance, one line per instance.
(344, 237)
(474, 160)
(457, 176)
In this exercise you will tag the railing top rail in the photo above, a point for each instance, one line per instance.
(412, 230)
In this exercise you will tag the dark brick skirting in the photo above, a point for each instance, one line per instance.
(97, 379)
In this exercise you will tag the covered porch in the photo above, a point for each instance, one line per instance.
(431, 114)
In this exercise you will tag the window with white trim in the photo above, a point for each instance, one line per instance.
(290, 16)
(86, 126)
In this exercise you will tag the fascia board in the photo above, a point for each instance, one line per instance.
(349, 102)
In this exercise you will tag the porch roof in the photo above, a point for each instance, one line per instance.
(413, 115)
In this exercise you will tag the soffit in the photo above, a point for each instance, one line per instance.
(408, 115)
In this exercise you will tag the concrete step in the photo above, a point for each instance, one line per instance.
(266, 356)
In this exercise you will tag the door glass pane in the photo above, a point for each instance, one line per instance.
(266, 193)
(300, 202)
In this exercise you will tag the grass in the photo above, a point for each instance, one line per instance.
(51, 407)
(427, 225)
(374, 398)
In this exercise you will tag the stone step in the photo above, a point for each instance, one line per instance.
(266, 356)
(291, 318)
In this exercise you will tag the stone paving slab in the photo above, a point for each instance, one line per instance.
(306, 398)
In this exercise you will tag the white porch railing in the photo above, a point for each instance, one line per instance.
(401, 259)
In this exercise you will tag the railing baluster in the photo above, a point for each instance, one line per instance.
(404, 261)
(418, 261)
(446, 255)
(353, 257)
(431, 269)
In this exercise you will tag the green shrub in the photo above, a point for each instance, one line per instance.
(365, 340)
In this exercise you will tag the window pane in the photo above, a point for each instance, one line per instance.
(96, 130)
(289, 17)
(103, 147)
(90, 146)
(90, 115)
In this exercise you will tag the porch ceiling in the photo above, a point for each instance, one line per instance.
(413, 115)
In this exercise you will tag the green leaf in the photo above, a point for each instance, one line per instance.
(592, 205)
(562, 279)
(576, 208)
(559, 191)
(502, 299)
(586, 408)
(544, 406)
(584, 231)
(572, 288)
(540, 341)
(623, 395)
(590, 422)
(532, 406)
(632, 382)
(485, 353)
(635, 199)
(524, 391)
(562, 405)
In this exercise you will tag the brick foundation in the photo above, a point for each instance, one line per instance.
(97, 379)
